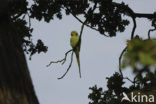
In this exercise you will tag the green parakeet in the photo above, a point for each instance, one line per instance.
(73, 42)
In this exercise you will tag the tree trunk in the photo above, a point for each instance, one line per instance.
(15, 81)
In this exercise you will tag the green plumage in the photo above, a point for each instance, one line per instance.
(74, 43)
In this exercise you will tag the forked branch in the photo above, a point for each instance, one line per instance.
(62, 60)
(68, 67)
(86, 19)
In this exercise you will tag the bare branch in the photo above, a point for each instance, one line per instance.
(134, 80)
(62, 60)
(129, 79)
(134, 27)
(150, 30)
(68, 66)
(120, 60)
(29, 20)
(85, 23)
(88, 25)
(131, 13)
(149, 16)
(82, 28)
(78, 44)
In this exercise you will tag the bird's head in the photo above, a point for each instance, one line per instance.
(74, 33)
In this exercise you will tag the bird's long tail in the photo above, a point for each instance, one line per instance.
(78, 62)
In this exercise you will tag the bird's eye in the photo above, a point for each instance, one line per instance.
(71, 34)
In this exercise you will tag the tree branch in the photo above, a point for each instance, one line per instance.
(134, 27)
(131, 13)
(68, 67)
(150, 30)
(29, 20)
(62, 60)
(141, 15)
(88, 25)
(82, 28)
(85, 23)
(129, 79)
(120, 59)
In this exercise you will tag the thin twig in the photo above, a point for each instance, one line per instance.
(78, 44)
(68, 66)
(134, 80)
(120, 60)
(85, 23)
(29, 20)
(129, 79)
(62, 60)
(134, 27)
(82, 27)
(150, 30)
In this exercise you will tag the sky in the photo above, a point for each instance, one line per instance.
(98, 57)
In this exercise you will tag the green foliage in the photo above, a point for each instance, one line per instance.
(115, 83)
(111, 96)
(141, 57)
(104, 15)
(23, 38)
(17, 7)
(38, 48)
(96, 95)
(47, 9)
(140, 53)
(108, 19)
(21, 29)
(144, 85)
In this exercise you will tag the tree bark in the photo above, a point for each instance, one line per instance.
(15, 82)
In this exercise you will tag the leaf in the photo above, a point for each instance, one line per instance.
(140, 52)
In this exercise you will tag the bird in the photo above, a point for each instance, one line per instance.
(75, 44)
